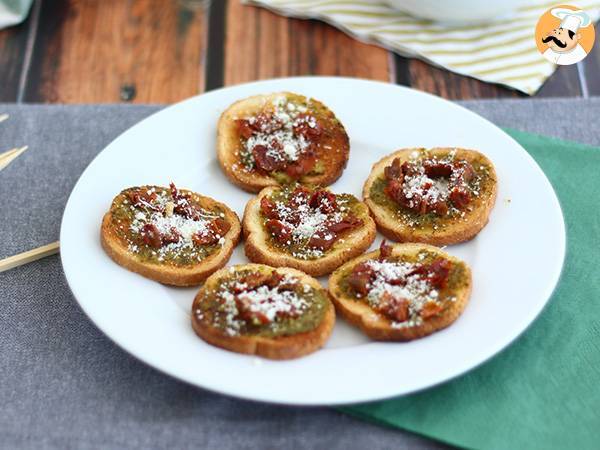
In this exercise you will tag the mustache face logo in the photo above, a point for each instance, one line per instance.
(555, 40)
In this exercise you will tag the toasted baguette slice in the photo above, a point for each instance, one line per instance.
(259, 248)
(396, 224)
(119, 246)
(332, 150)
(378, 325)
(248, 339)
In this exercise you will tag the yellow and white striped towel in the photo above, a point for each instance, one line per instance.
(502, 52)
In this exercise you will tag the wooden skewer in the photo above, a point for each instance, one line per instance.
(26, 257)
(3, 117)
(7, 157)
(37, 253)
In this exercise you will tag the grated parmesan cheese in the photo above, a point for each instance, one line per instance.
(269, 302)
(417, 291)
(281, 144)
(185, 227)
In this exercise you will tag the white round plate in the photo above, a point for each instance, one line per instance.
(516, 259)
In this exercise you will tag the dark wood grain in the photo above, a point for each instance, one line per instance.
(215, 52)
(450, 85)
(146, 51)
(13, 44)
(161, 51)
(260, 44)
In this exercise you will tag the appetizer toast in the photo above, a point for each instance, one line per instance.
(259, 310)
(169, 235)
(310, 229)
(278, 138)
(401, 292)
(439, 196)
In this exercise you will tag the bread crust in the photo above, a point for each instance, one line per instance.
(282, 347)
(258, 250)
(164, 273)
(334, 161)
(379, 327)
(461, 231)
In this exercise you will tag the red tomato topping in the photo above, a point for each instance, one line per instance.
(151, 236)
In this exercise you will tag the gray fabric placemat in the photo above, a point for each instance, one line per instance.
(65, 385)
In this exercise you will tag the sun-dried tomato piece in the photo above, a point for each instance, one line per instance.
(302, 166)
(205, 238)
(360, 277)
(185, 209)
(394, 308)
(253, 280)
(385, 250)
(279, 230)
(308, 127)
(394, 190)
(409, 169)
(323, 200)
(245, 129)
(143, 198)
(440, 207)
(458, 173)
(438, 271)
(394, 171)
(273, 280)
(220, 226)
(299, 196)
(268, 208)
(266, 123)
(289, 285)
(463, 171)
(430, 309)
(322, 242)
(151, 235)
(348, 223)
(172, 237)
(246, 313)
(437, 169)
(265, 161)
(460, 197)
(175, 194)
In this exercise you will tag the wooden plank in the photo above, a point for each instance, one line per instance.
(215, 51)
(13, 45)
(145, 51)
(260, 44)
(434, 80)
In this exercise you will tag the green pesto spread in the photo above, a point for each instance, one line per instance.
(128, 221)
(480, 187)
(220, 305)
(307, 222)
(415, 291)
(286, 108)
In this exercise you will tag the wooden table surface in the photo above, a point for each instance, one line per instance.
(162, 51)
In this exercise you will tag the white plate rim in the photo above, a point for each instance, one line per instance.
(467, 365)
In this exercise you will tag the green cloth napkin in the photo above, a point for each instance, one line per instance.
(543, 392)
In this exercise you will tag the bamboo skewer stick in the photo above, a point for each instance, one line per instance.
(26, 257)
(32, 255)
(7, 157)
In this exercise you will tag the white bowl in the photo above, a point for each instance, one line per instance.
(458, 11)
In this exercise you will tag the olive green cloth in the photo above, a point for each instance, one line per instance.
(543, 392)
